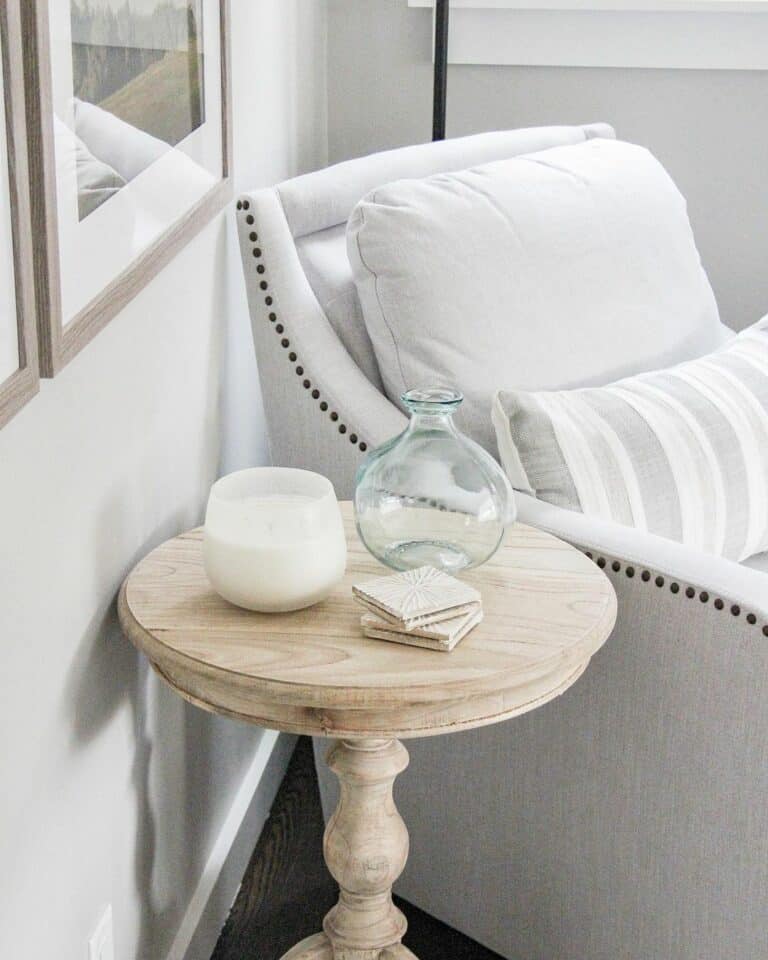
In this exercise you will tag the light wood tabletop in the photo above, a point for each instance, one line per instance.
(547, 610)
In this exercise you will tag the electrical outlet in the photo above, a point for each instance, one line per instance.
(101, 946)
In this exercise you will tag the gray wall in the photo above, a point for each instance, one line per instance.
(709, 128)
(113, 789)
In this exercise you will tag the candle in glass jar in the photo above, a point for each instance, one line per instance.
(274, 539)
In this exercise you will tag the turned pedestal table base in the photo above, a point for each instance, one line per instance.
(365, 847)
(547, 609)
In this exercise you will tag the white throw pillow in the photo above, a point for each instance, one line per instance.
(568, 267)
(682, 452)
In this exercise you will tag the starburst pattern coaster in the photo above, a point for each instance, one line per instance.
(417, 597)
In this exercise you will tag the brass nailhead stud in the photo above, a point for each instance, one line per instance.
(254, 237)
(601, 562)
(736, 610)
(269, 301)
(273, 317)
(306, 384)
(704, 596)
(249, 220)
(630, 572)
(279, 328)
(292, 357)
(616, 566)
(264, 285)
(353, 438)
(315, 394)
(246, 204)
(334, 416)
(765, 630)
(675, 588)
(719, 604)
(659, 581)
(646, 576)
(364, 447)
(256, 251)
(323, 406)
(342, 428)
(589, 555)
(261, 268)
(690, 593)
(285, 343)
(299, 371)
(239, 205)
(751, 619)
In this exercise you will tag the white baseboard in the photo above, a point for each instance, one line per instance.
(220, 880)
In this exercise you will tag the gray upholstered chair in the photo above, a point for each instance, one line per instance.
(628, 819)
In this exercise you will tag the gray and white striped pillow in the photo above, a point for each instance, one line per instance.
(681, 452)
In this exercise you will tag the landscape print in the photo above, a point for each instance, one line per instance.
(142, 60)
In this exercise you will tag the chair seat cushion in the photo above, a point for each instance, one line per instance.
(572, 266)
(682, 452)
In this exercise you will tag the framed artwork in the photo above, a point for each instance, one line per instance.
(128, 115)
(18, 346)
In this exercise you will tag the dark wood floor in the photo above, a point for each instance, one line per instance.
(286, 890)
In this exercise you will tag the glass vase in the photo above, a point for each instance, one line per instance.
(431, 495)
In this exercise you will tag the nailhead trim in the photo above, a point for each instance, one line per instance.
(280, 329)
(659, 581)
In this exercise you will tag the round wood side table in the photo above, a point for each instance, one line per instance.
(547, 610)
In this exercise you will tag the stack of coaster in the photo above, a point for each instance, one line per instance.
(423, 608)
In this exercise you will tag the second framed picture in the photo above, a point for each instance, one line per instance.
(129, 126)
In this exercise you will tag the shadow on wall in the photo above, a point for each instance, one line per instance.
(106, 673)
(185, 764)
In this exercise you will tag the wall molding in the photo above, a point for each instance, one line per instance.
(658, 34)
(218, 884)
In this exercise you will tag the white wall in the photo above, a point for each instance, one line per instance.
(710, 128)
(111, 789)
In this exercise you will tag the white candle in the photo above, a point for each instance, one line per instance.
(274, 539)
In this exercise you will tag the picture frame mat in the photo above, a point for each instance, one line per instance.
(149, 204)
(60, 342)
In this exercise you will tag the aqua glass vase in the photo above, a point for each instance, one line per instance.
(431, 495)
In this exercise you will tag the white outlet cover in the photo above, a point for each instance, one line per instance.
(101, 946)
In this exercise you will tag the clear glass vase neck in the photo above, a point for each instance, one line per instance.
(431, 420)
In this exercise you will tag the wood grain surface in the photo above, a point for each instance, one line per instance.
(547, 610)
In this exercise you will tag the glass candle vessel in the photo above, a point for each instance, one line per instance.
(274, 539)
(432, 495)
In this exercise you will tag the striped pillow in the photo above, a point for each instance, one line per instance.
(681, 452)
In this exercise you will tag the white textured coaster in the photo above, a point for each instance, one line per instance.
(436, 636)
(417, 597)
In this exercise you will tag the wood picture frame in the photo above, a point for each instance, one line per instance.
(61, 338)
(22, 384)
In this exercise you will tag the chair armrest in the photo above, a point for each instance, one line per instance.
(323, 414)
(631, 554)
